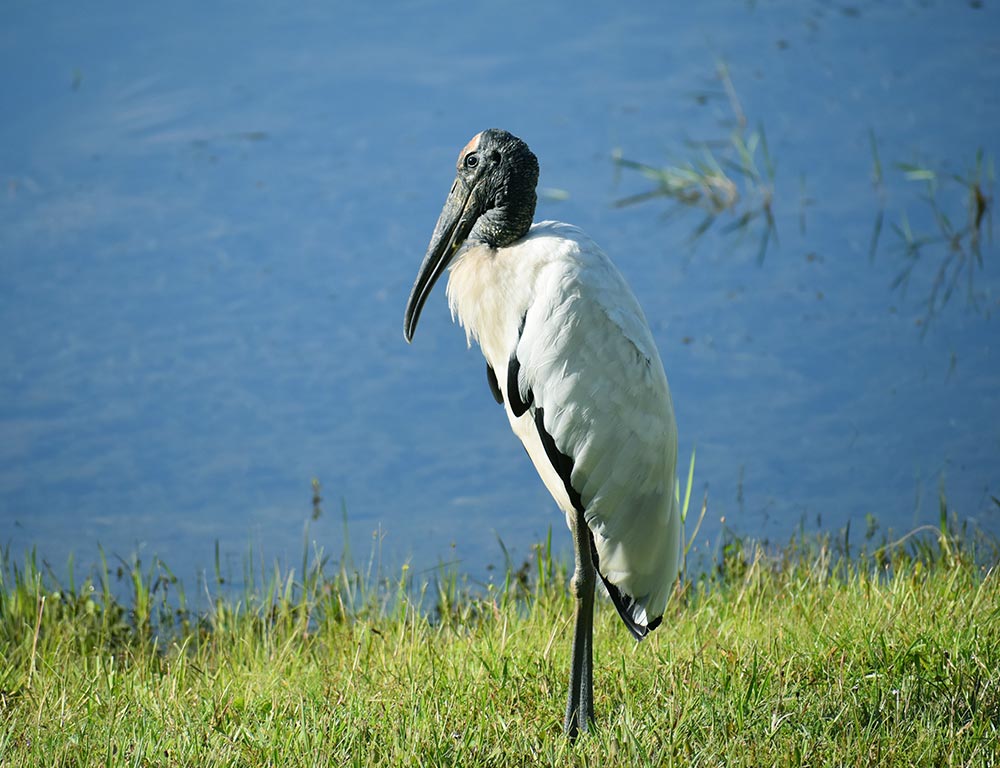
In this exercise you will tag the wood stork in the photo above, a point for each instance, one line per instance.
(571, 358)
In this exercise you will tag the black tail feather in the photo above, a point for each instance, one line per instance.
(623, 603)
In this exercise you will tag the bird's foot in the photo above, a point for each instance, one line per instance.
(578, 720)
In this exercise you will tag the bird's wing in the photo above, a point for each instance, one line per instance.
(586, 367)
(491, 379)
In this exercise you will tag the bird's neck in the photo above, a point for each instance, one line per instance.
(507, 221)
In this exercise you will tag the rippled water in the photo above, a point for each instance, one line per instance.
(211, 217)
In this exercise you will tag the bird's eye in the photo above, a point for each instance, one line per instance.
(471, 161)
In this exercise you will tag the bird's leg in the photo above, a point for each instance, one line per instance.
(580, 708)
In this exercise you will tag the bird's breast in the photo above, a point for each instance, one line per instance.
(489, 291)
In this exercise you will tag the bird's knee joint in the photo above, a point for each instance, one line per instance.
(581, 583)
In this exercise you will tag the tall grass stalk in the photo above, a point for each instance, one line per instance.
(798, 656)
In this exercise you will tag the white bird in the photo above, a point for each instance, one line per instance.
(571, 358)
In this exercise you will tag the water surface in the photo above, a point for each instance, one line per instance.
(211, 217)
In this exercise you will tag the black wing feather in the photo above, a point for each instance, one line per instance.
(519, 401)
(623, 602)
(491, 377)
(562, 463)
(563, 466)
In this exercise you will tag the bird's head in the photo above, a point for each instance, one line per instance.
(492, 201)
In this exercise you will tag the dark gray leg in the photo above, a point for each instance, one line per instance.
(580, 708)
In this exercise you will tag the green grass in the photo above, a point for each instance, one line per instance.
(794, 658)
(732, 179)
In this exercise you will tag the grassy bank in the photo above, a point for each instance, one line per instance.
(790, 659)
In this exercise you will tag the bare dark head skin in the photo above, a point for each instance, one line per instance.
(491, 202)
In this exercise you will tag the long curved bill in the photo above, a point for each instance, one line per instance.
(453, 227)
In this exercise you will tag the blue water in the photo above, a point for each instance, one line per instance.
(211, 215)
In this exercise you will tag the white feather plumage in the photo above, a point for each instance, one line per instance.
(587, 356)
